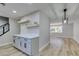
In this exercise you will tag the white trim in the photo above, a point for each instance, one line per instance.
(5, 44)
(77, 41)
(44, 46)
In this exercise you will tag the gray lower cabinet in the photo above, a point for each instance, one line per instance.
(27, 45)
(16, 42)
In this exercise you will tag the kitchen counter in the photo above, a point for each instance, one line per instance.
(27, 43)
(31, 36)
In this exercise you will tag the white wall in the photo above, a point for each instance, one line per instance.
(44, 30)
(33, 18)
(68, 30)
(7, 38)
(76, 31)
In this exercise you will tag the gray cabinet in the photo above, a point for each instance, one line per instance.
(27, 45)
(16, 42)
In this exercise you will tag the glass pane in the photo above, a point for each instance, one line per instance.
(6, 28)
(1, 30)
(56, 29)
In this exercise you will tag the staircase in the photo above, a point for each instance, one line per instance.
(4, 29)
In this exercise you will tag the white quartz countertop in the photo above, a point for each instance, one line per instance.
(27, 35)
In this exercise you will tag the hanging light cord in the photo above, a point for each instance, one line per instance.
(65, 13)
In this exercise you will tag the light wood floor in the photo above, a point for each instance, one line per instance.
(9, 50)
(69, 48)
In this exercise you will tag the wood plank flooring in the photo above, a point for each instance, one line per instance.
(9, 50)
(69, 48)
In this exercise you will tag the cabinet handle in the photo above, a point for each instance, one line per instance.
(25, 45)
(14, 41)
(20, 43)
(25, 39)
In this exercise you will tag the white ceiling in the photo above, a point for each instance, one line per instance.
(20, 8)
(72, 10)
(53, 10)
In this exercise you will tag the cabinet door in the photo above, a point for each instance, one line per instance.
(29, 44)
(13, 40)
(16, 41)
(22, 44)
(26, 48)
(29, 47)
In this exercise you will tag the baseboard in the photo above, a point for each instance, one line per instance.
(77, 41)
(5, 44)
(42, 48)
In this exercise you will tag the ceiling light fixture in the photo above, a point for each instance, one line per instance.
(14, 11)
(65, 20)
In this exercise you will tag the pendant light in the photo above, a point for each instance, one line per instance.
(65, 19)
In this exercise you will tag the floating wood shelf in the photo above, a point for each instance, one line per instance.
(32, 26)
(23, 21)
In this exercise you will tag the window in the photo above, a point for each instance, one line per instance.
(56, 28)
(4, 28)
(4, 25)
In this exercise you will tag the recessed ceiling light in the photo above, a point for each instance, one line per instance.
(14, 11)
